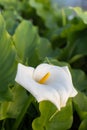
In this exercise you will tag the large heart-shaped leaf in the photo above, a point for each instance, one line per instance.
(29, 44)
(52, 119)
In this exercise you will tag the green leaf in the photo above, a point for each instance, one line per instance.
(25, 39)
(79, 80)
(79, 41)
(12, 19)
(13, 109)
(77, 46)
(82, 14)
(80, 103)
(83, 125)
(53, 119)
(33, 48)
(8, 63)
(45, 11)
(54, 61)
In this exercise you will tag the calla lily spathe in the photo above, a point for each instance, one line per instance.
(47, 82)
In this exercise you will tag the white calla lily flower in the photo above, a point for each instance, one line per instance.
(47, 82)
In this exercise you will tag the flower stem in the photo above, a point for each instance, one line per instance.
(21, 115)
(63, 17)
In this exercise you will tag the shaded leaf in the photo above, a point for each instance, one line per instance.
(79, 80)
(83, 125)
(45, 11)
(80, 102)
(13, 109)
(8, 62)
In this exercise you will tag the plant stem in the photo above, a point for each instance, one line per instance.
(63, 17)
(21, 115)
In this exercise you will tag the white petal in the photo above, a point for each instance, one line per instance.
(66, 69)
(73, 92)
(21, 70)
(41, 70)
(60, 80)
(40, 92)
(58, 76)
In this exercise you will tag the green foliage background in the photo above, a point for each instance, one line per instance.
(33, 32)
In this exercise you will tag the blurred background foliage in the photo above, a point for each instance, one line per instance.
(33, 32)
